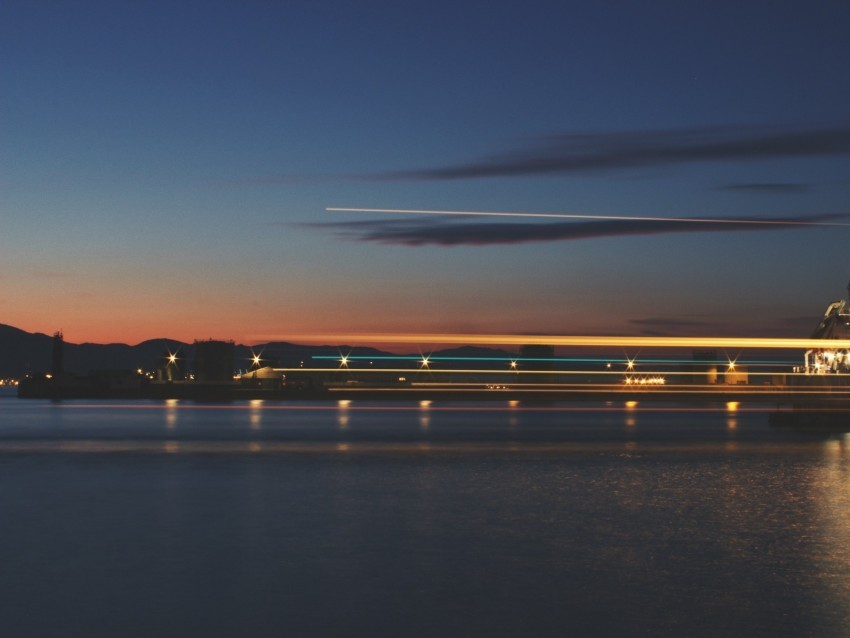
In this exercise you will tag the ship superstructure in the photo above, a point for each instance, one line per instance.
(834, 325)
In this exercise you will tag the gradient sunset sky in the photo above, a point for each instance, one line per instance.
(165, 168)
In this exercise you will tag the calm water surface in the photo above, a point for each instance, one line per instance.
(326, 519)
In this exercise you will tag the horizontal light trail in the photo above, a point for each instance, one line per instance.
(612, 360)
(413, 447)
(631, 391)
(687, 220)
(564, 340)
(334, 407)
(722, 388)
(506, 372)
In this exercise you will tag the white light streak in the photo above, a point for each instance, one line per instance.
(687, 220)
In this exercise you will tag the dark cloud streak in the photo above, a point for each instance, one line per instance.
(442, 232)
(777, 188)
(600, 152)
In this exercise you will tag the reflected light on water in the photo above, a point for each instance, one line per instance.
(732, 411)
(424, 414)
(342, 416)
(255, 416)
(631, 406)
(171, 413)
(513, 421)
(831, 499)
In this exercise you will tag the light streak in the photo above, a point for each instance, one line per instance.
(450, 371)
(686, 220)
(512, 360)
(573, 340)
(604, 390)
(328, 407)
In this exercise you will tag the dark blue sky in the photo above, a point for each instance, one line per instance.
(165, 167)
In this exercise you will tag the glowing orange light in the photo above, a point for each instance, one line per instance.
(574, 340)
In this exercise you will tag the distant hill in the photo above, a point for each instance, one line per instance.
(24, 352)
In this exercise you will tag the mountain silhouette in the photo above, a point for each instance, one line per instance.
(24, 353)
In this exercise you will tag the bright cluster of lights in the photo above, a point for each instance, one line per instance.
(827, 361)
(655, 380)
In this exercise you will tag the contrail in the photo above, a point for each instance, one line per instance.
(689, 220)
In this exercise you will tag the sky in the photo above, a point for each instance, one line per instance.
(166, 168)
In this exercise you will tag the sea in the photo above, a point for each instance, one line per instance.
(350, 518)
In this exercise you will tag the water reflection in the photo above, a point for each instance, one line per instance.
(342, 415)
(631, 408)
(255, 415)
(513, 420)
(732, 414)
(831, 499)
(424, 414)
(171, 407)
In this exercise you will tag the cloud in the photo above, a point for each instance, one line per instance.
(448, 232)
(600, 152)
(777, 188)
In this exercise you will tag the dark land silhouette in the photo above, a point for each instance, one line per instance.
(23, 353)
